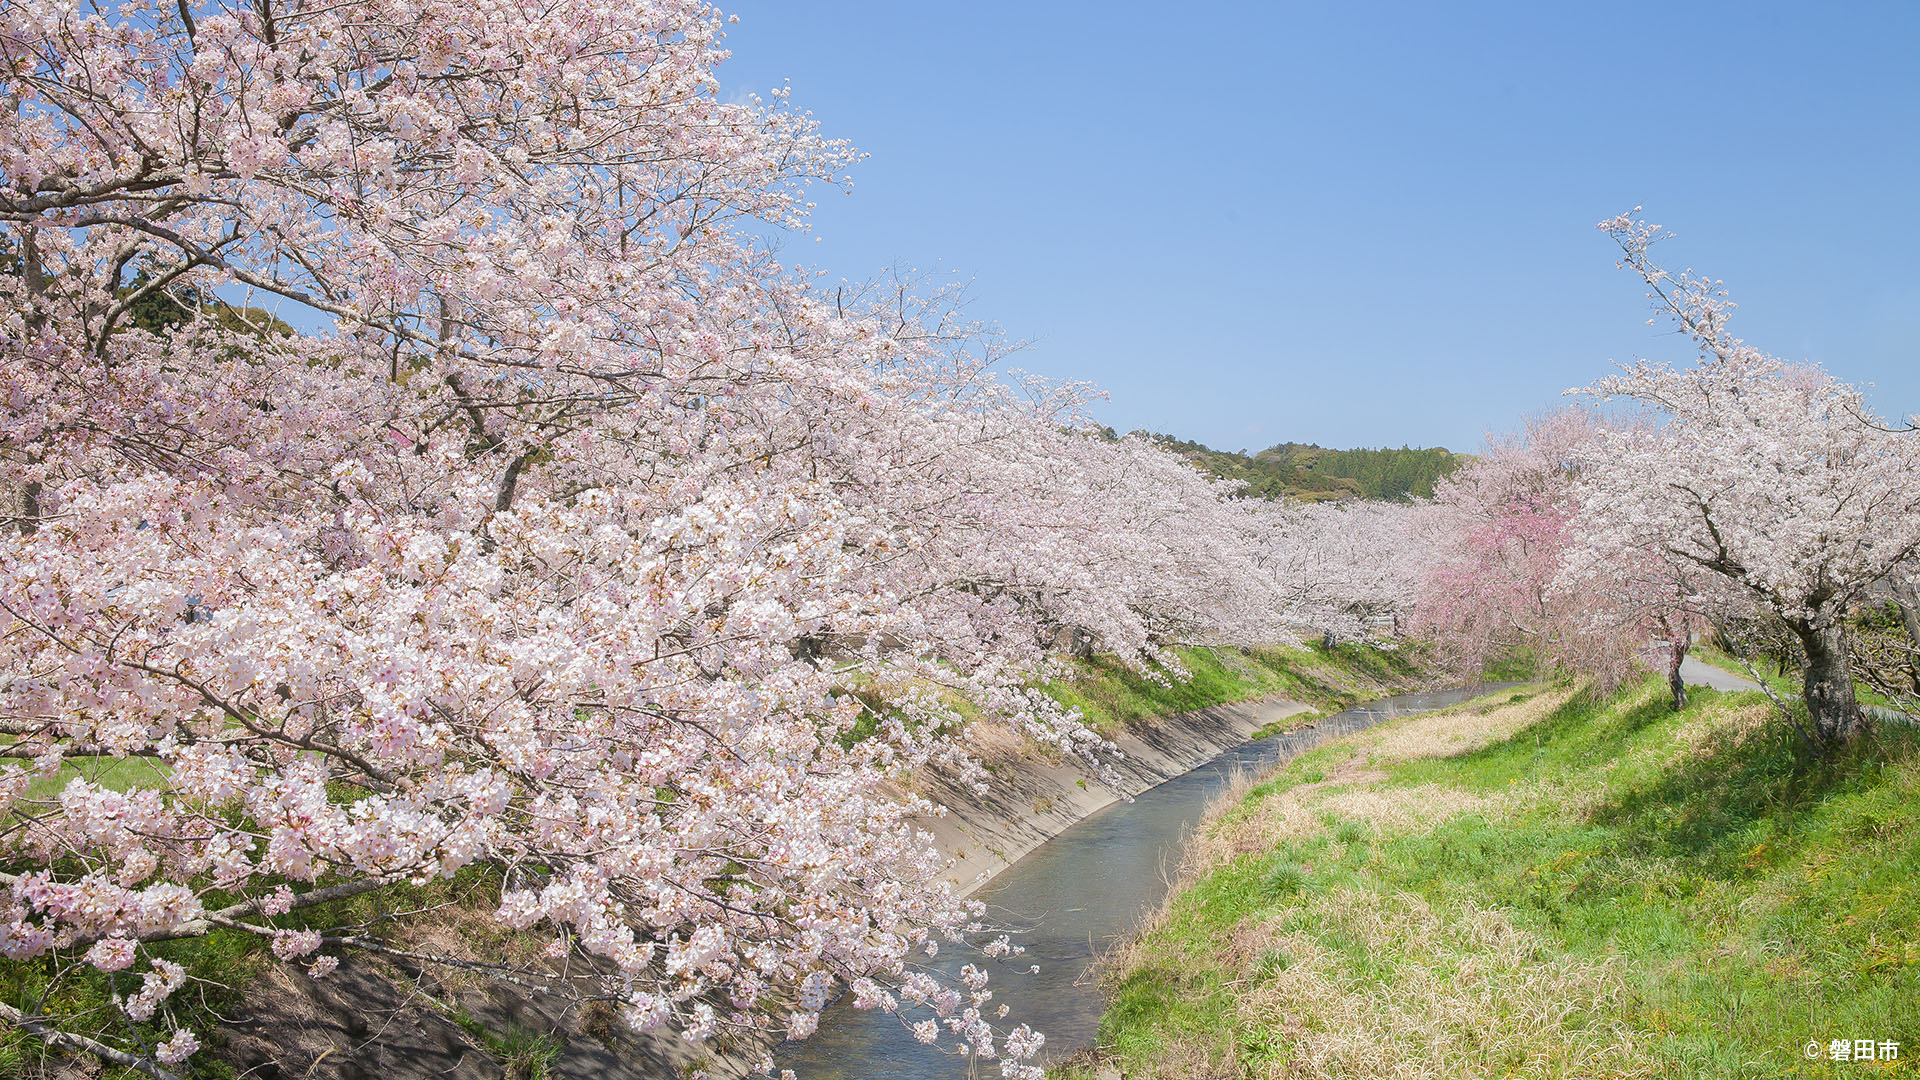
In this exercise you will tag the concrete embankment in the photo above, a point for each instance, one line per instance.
(1034, 797)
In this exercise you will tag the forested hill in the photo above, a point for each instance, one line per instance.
(1306, 471)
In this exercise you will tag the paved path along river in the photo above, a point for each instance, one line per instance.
(1698, 674)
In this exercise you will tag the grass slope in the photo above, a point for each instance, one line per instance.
(1543, 885)
(1111, 695)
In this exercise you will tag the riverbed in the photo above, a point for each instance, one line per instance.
(1073, 897)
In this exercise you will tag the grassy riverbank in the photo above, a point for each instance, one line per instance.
(1543, 885)
(1111, 695)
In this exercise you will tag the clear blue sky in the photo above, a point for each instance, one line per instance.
(1367, 224)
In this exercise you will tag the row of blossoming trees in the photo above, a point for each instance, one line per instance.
(1741, 491)
(592, 551)
(587, 548)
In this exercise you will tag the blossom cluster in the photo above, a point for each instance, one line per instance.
(411, 456)
(1675, 500)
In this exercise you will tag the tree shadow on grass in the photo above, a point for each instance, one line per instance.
(1580, 733)
(1706, 806)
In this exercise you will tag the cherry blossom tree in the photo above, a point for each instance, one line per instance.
(1632, 589)
(1353, 569)
(1774, 478)
(582, 545)
(1499, 584)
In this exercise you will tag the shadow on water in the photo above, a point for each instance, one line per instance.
(1074, 896)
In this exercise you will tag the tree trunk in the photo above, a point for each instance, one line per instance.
(1073, 640)
(1907, 599)
(1827, 682)
(1677, 654)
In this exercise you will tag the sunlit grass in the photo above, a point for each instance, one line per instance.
(116, 774)
(1110, 694)
(1549, 886)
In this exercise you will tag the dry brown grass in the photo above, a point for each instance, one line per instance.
(1450, 734)
(1714, 733)
(1469, 992)
(1406, 808)
(1352, 785)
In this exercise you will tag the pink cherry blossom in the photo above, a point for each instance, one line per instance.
(1499, 581)
(183, 1045)
(111, 954)
(560, 530)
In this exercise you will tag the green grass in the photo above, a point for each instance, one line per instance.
(217, 966)
(1738, 898)
(523, 1053)
(1110, 695)
(222, 966)
(117, 774)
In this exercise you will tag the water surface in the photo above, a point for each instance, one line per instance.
(1076, 895)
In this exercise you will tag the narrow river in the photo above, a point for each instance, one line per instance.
(1074, 896)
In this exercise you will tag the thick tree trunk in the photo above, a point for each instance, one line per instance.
(1676, 655)
(1827, 683)
(1907, 599)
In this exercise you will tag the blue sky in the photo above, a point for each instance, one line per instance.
(1367, 224)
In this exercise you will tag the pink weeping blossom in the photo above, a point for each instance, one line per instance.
(1498, 583)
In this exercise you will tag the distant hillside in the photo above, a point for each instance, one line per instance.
(1306, 471)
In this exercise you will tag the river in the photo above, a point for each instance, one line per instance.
(1075, 895)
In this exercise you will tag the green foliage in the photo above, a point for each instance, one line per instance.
(1285, 879)
(217, 966)
(523, 1053)
(1306, 471)
(1514, 665)
(1110, 694)
(116, 774)
(173, 306)
(162, 309)
(221, 966)
(528, 1055)
(1308, 768)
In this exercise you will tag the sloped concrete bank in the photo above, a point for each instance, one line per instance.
(1033, 798)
